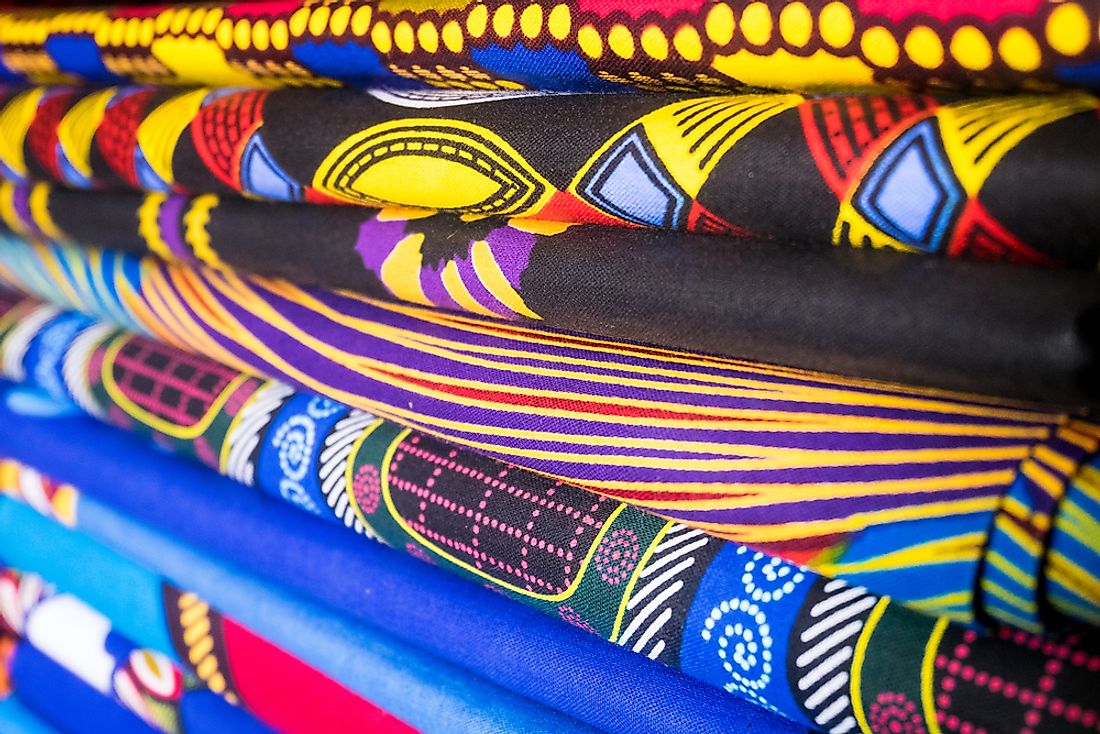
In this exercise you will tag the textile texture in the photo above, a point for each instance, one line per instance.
(601, 45)
(1019, 332)
(516, 647)
(913, 173)
(803, 465)
(81, 640)
(348, 466)
(821, 651)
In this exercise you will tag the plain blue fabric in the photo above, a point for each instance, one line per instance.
(425, 692)
(512, 645)
(57, 696)
(205, 712)
(15, 718)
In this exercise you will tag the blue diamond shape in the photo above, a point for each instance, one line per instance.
(911, 193)
(630, 183)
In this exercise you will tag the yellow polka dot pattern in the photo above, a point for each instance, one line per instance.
(426, 42)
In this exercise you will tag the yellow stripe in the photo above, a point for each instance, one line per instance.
(927, 676)
(492, 277)
(857, 662)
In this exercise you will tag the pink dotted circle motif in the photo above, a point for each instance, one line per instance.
(366, 487)
(617, 555)
(894, 713)
(570, 615)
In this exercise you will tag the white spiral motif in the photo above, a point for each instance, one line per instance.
(295, 440)
(741, 631)
(768, 579)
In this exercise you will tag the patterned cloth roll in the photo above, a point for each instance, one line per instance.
(824, 308)
(831, 655)
(590, 45)
(844, 475)
(914, 173)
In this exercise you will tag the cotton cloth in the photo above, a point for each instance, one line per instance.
(601, 45)
(913, 173)
(1008, 331)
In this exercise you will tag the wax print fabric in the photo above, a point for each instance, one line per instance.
(1002, 177)
(490, 635)
(80, 639)
(803, 465)
(219, 646)
(819, 650)
(566, 44)
(348, 466)
(18, 719)
(974, 327)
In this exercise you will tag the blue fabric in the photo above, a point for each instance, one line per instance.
(58, 697)
(422, 691)
(15, 718)
(514, 646)
(205, 712)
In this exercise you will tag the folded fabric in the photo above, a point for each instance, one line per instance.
(65, 701)
(565, 44)
(82, 641)
(829, 309)
(339, 463)
(914, 173)
(15, 718)
(243, 664)
(803, 465)
(519, 649)
(816, 649)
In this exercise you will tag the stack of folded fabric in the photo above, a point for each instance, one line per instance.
(550, 366)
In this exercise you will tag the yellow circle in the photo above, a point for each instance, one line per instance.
(879, 47)
(796, 24)
(403, 36)
(756, 24)
(179, 21)
(279, 35)
(428, 37)
(194, 23)
(1068, 29)
(261, 36)
(210, 21)
(719, 24)
(971, 48)
(380, 37)
(588, 38)
(924, 47)
(687, 43)
(338, 23)
(530, 20)
(620, 41)
(224, 34)
(242, 34)
(298, 21)
(503, 20)
(360, 20)
(452, 36)
(559, 22)
(1019, 50)
(162, 22)
(654, 42)
(133, 30)
(477, 21)
(147, 32)
(118, 32)
(835, 24)
(318, 22)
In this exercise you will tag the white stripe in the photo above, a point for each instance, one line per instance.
(834, 684)
(668, 542)
(828, 643)
(642, 593)
(834, 601)
(656, 650)
(640, 619)
(653, 629)
(827, 666)
(837, 617)
(665, 560)
(847, 724)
